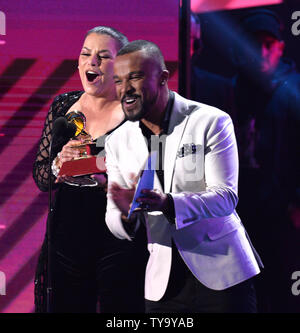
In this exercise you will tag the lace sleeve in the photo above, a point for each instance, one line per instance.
(41, 170)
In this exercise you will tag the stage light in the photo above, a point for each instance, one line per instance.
(201, 6)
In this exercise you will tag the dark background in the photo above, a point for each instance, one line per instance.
(220, 28)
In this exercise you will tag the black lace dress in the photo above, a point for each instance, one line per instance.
(88, 263)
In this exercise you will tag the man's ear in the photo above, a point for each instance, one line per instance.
(164, 77)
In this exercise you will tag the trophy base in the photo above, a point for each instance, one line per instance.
(83, 166)
(84, 181)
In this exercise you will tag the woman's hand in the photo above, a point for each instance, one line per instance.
(101, 180)
(64, 178)
(68, 153)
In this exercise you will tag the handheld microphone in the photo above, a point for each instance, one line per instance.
(64, 129)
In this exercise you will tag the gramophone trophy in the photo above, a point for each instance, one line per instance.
(88, 163)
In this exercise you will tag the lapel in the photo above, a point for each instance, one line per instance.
(178, 121)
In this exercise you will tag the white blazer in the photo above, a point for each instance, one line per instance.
(201, 174)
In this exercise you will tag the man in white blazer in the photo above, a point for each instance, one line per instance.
(200, 257)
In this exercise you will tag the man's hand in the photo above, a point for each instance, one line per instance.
(154, 200)
(122, 197)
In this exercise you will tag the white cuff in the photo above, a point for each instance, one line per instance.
(55, 169)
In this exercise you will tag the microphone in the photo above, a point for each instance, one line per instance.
(63, 128)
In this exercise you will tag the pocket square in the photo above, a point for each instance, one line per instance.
(187, 149)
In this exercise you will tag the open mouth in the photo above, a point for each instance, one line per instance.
(91, 76)
(129, 100)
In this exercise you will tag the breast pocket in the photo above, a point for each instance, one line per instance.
(189, 168)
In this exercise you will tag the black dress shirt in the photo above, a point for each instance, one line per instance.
(150, 137)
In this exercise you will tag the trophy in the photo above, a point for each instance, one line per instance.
(88, 162)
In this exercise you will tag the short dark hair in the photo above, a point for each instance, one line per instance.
(114, 33)
(151, 50)
(261, 19)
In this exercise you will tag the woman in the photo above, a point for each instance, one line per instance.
(88, 263)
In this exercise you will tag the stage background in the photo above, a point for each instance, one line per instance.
(38, 61)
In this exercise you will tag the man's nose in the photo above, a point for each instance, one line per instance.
(127, 87)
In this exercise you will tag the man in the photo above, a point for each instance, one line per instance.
(200, 258)
(267, 99)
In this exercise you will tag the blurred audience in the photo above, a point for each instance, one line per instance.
(266, 109)
(206, 87)
(263, 99)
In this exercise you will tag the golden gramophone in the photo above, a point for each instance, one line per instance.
(79, 120)
(86, 164)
